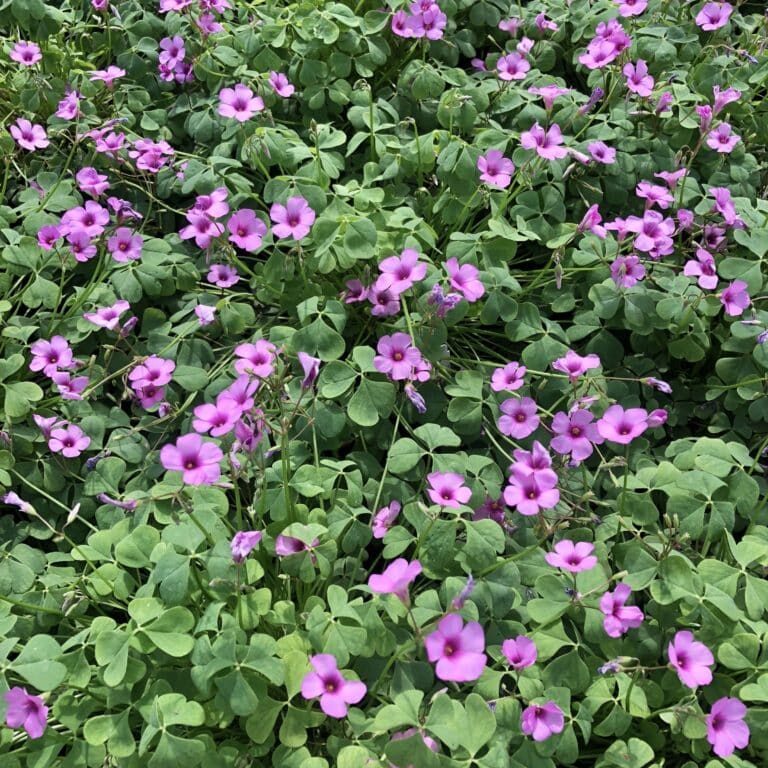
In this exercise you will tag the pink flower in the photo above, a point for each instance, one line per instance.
(125, 245)
(108, 317)
(396, 578)
(619, 618)
(545, 142)
(110, 144)
(383, 519)
(154, 371)
(171, 51)
(529, 493)
(713, 16)
(47, 236)
(29, 136)
(549, 93)
(243, 543)
(592, 221)
(723, 98)
(385, 300)
(495, 169)
(575, 434)
(222, 275)
(631, 7)
(246, 230)
(25, 711)
(520, 652)
(458, 650)
(571, 556)
(490, 509)
(108, 75)
(510, 25)
(26, 54)
(90, 181)
(599, 54)
(654, 194)
(722, 139)
(205, 314)
(626, 271)
(464, 279)
(575, 365)
(207, 24)
(657, 418)
(735, 298)
(49, 356)
(218, 418)
(509, 378)
(327, 684)
(285, 546)
(638, 79)
(201, 228)
(540, 721)
(91, 218)
(239, 102)
(400, 24)
(543, 23)
(429, 23)
(280, 85)
(69, 388)
(726, 729)
(724, 205)
(399, 273)
(256, 359)
(653, 233)
(447, 489)
(68, 440)
(294, 219)
(214, 206)
(396, 357)
(311, 368)
(513, 66)
(703, 268)
(690, 659)
(80, 245)
(198, 461)
(620, 426)
(519, 418)
(602, 152)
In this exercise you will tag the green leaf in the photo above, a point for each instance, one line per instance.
(480, 724)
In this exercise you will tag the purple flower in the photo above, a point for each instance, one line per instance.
(724, 205)
(575, 365)
(280, 85)
(69, 388)
(239, 102)
(29, 136)
(48, 235)
(530, 493)
(509, 378)
(396, 357)
(575, 434)
(80, 245)
(222, 275)
(703, 268)
(171, 51)
(653, 233)
(545, 142)
(723, 98)
(355, 292)
(311, 367)
(520, 652)
(90, 181)
(428, 23)
(495, 169)
(406, 734)
(513, 66)
(383, 519)
(549, 93)
(385, 301)
(45, 425)
(25, 711)
(256, 359)
(534, 462)
(670, 178)
(631, 7)
(602, 152)
(49, 356)
(217, 418)
(571, 556)
(400, 24)
(198, 461)
(399, 273)
(154, 371)
(26, 54)
(205, 314)
(726, 729)
(713, 16)
(654, 194)
(447, 489)
(626, 271)
(327, 684)
(519, 418)
(619, 618)
(396, 578)
(294, 219)
(662, 386)
(465, 280)
(457, 650)
(201, 228)
(68, 440)
(722, 139)
(540, 721)
(128, 506)
(246, 230)
(490, 509)
(108, 75)
(735, 298)
(638, 79)
(690, 659)
(243, 543)
(290, 545)
(14, 500)
(622, 426)
(125, 245)
(592, 221)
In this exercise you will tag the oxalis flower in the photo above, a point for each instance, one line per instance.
(25, 711)
(690, 659)
(520, 652)
(540, 721)
(726, 729)
(326, 683)
(619, 618)
(197, 460)
(447, 489)
(571, 556)
(457, 650)
(396, 578)
(243, 543)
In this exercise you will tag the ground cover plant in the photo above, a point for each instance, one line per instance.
(383, 385)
